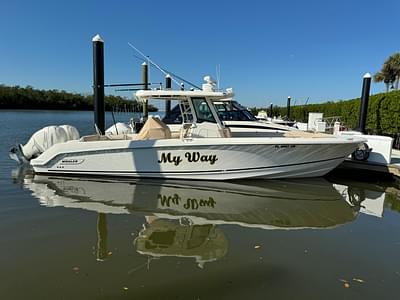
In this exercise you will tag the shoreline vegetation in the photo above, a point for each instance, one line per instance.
(383, 112)
(16, 97)
(383, 109)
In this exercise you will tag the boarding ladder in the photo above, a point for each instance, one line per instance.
(187, 119)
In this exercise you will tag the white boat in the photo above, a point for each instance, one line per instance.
(203, 148)
(262, 116)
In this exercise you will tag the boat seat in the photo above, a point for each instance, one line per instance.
(208, 130)
(124, 136)
(175, 134)
(92, 138)
(108, 137)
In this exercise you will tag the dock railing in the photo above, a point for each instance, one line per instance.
(330, 121)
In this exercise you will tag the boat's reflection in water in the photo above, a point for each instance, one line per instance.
(182, 218)
(163, 237)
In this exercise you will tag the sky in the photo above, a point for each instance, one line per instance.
(266, 50)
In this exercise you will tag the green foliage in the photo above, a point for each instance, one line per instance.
(392, 201)
(383, 112)
(390, 72)
(15, 97)
(254, 110)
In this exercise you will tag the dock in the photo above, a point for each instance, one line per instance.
(393, 168)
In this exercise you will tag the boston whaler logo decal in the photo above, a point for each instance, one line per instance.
(71, 161)
(189, 156)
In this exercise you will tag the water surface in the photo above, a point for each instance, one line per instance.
(91, 238)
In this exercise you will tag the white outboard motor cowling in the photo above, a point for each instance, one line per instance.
(42, 140)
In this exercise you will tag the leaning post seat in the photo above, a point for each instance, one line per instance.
(154, 129)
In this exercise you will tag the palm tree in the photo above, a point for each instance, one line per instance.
(379, 77)
(390, 72)
(394, 62)
(385, 75)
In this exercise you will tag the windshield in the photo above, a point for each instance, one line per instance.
(203, 111)
(174, 116)
(233, 111)
(227, 111)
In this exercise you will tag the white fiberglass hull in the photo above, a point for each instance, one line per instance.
(205, 158)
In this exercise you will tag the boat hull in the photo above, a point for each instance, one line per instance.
(207, 159)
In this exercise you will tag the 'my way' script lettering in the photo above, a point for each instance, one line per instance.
(190, 157)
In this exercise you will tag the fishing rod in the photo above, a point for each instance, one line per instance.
(184, 80)
(162, 70)
(150, 61)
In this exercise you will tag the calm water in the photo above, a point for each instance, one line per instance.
(77, 238)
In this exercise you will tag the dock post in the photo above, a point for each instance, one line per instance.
(98, 83)
(101, 247)
(168, 85)
(288, 107)
(362, 119)
(272, 112)
(145, 80)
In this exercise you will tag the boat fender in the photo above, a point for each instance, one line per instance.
(361, 153)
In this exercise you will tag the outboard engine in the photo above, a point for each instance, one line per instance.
(42, 140)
